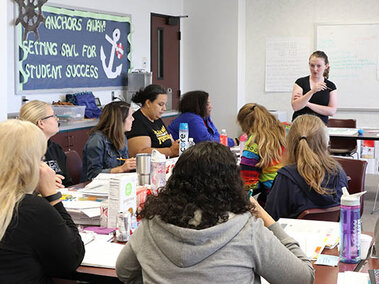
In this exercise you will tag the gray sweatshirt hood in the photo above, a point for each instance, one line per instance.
(186, 247)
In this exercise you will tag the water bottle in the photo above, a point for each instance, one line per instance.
(190, 142)
(243, 140)
(224, 137)
(183, 137)
(350, 227)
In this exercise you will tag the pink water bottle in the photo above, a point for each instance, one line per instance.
(224, 137)
(243, 140)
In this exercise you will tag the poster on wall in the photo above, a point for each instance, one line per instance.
(77, 49)
(286, 61)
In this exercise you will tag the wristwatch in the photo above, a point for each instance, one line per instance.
(53, 197)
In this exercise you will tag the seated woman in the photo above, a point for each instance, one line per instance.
(41, 114)
(204, 200)
(195, 108)
(262, 155)
(106, 150)
(311, 178)
(38, 239)
(148, 130)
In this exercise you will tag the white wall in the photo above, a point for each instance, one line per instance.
(297, 18)
(140, 13)
(211, 44)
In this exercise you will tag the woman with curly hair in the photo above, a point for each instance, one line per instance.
(199, 229)
(311, 178)
(262, 155)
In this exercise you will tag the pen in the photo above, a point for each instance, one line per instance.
(121, 159)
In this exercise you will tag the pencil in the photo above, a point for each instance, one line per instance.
(121, 159)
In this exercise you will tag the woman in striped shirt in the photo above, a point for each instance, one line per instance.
(262, 155)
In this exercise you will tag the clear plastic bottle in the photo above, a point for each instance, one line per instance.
(224, 137)
(190, 142)
(350, 227)
(183, 137)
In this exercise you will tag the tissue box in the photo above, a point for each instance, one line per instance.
(69, 113)
(122, 196)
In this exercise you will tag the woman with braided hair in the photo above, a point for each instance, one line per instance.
(310, 178)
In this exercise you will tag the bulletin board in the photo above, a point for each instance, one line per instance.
(77, 49)
(353, 52)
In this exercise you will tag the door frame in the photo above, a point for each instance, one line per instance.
(179, 53)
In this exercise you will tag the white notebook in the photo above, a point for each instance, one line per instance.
(100, 253)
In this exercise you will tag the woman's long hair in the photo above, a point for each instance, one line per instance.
(33, 111)
(268, 132)
(307, 147)
(206, 179)
(195, 102)
(111, 123)
(22, 145)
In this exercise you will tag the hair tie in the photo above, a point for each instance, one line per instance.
(303, 137)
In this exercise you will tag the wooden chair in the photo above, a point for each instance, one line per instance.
(342, 146)
(74, 165)
(356, 170)
(321, 214)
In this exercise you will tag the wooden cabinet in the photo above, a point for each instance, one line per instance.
(72, 139)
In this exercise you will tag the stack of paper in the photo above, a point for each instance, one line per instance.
(335, 131)
(83, 212)
(312, 236)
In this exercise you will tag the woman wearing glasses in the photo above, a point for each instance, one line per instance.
(41, 114)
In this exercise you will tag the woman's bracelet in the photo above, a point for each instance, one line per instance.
(53, 197)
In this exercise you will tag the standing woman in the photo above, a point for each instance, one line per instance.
(195, 108)
(106, 150)
(315, 94)
(263, 151)
(38, 239)
(148, 130)
(41, 114)
(311, 178)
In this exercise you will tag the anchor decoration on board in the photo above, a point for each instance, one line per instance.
(115, 47)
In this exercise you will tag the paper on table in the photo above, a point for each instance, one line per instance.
(342, 131)
(310, 234)
(101, 254)
(81, 204)
(350, 277)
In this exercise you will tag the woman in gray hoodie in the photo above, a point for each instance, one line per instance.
(201, 228)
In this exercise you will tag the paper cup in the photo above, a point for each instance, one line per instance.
(365, 245)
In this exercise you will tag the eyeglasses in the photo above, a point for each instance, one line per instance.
(47, 117)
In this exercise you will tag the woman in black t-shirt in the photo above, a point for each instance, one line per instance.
(315, 94)
(148, 131)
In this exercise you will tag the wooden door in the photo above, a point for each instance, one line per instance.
(165, 55)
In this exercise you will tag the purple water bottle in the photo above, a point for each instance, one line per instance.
(350, 227)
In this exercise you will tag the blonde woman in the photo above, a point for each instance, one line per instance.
(263, 151)
(310, 178)
(38, 239)
(41, 114)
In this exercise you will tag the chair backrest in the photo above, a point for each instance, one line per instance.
(344, 146)
(74, 165)
(356, 170)
(321, 214)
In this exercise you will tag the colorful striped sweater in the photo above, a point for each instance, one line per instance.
(256, 179)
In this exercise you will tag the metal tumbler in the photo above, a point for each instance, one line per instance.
(143, 168)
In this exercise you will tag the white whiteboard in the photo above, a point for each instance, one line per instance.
(353, 52)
